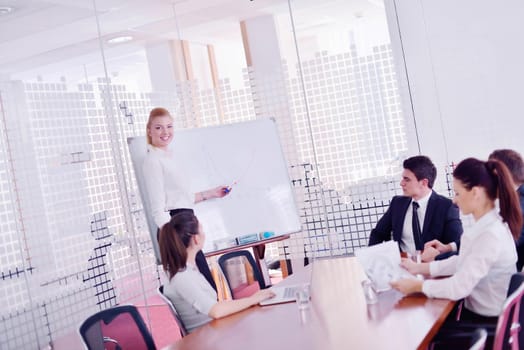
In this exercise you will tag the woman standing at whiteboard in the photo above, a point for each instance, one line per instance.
(166, 184)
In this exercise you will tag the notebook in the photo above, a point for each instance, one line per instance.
(282, 295)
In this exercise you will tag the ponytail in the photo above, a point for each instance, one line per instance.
(174, 238)
(508, 199)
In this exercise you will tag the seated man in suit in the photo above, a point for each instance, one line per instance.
(420, 215)
(513, 160)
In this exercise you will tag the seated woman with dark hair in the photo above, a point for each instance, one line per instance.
(193, 297)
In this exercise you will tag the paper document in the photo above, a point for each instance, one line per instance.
(381, 263)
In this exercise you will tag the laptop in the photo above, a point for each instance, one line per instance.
(282, 295)
(287, 294)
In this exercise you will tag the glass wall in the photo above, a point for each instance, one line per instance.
(349, 124)
(77, 79)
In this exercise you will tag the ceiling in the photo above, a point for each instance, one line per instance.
(43, 32)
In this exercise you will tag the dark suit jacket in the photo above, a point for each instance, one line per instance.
(441, 221)
(520, 241)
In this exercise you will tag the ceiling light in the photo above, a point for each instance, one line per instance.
(4, 10)
(120, 39)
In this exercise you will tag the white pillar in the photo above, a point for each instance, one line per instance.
(268, 80)
(166, 65)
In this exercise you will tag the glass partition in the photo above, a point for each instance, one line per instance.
(77, 79)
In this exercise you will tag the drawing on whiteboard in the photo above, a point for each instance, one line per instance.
(216, 171)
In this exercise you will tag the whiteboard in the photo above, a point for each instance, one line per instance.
(247, 156)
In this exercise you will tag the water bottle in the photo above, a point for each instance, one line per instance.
(369, 292)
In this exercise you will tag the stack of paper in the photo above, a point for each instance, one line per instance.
(381, 263)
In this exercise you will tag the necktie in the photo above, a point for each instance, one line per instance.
(417, 232)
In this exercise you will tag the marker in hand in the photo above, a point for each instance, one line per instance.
(228, 189)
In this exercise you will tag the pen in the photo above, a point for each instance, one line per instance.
(229, 188)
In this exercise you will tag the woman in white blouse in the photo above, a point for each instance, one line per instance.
(480, 273)
(166, 182)
(194, 299)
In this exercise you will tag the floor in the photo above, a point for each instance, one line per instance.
(163, 326)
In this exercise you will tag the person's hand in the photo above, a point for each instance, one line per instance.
(407, 286)
(429, 254)
(261, 295)
(415, 268)
(436, 244)
(219, 192)
(410, 265)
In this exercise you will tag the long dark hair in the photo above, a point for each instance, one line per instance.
(495, 178)
(174, 239)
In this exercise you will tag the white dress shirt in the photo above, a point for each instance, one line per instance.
(481, 271)
(407, 241)
(166, 184)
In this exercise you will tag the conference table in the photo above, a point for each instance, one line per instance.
(338, 317)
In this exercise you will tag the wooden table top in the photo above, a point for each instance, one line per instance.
(338, 317)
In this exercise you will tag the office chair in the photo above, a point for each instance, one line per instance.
(509, 325)
(117, 328)
(516, 280)
(181, 327)
(478, 339)
(507, 334)
(241, 287)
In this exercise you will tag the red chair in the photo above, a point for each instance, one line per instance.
(509, 324)
(117, 328)
(252, 274)
(506, 335)
(478, 339)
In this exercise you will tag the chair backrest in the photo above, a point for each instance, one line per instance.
(509, 323)
(239, 290)
(478, 339)
(183, 330)
(117, 328)
(516, 280)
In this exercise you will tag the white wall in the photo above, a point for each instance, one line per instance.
(464, 62)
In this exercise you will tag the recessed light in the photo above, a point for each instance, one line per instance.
(5, 10)
(120, 39)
